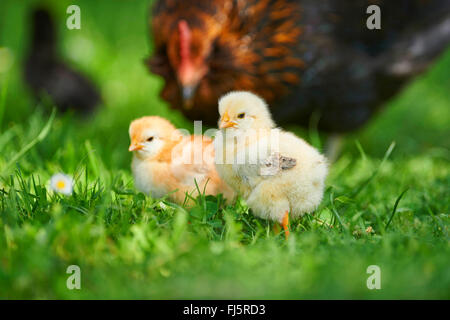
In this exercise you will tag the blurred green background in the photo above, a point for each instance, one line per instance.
(129, 246)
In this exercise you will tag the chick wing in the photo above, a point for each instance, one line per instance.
(276, 163)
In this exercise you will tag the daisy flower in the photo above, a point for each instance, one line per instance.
(62, 183)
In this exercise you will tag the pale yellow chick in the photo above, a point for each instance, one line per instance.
(165, 160)
(275, 171)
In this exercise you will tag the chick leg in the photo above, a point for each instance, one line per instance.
(285, 224)
(269, 202)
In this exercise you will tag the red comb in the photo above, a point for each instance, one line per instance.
(185, 40)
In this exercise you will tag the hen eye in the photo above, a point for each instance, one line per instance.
(241, 115)
(150, 139)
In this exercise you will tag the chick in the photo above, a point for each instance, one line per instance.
(167, 162)
(275, 171)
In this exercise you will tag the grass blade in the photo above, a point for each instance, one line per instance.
(361, 150)
(41, 136)
(395, 208)
(336, 214)
(3, 100)
(374, 174)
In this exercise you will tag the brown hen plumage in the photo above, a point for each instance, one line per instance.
(303, 57)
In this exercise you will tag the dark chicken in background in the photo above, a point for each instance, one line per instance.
(48, 76)
(304, 57)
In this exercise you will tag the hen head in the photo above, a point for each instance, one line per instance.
(205, 49)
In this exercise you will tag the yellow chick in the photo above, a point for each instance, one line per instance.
(275, 171)
(166, 161)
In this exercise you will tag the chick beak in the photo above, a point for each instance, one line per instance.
(226, 122)
(134, 146)
(188, 93)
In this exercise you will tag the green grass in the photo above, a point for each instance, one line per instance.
(131, 246)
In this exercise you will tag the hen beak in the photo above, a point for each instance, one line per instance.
(226, 122)
(188, 93)
(134, 146)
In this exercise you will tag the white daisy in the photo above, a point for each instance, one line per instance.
(62, 183)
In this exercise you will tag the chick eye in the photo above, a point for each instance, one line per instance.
(241, 115)
(150, 139)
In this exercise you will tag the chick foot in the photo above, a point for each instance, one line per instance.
(285, 224)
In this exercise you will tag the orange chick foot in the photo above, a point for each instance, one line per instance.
(285, 224)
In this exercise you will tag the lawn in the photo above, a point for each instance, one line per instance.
(386, 204)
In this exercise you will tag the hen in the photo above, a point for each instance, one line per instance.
(304, 57)
(47, 74)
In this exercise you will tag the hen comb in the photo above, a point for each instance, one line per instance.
(185, 41)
